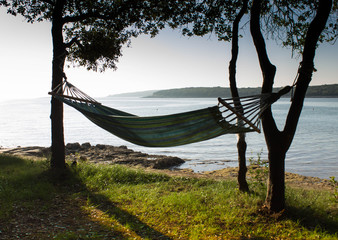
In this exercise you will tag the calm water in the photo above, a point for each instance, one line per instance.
(313, 152)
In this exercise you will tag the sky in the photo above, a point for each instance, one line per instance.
(167, 61)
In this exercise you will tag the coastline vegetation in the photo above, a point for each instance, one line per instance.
(118, 202)
(330, 90)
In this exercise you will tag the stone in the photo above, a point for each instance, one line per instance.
(85, 145)
(100, 146)
(73, 146)
(167, 162)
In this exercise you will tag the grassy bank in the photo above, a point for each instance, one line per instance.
(116, 202)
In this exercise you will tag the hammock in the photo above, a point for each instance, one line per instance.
(169, 130)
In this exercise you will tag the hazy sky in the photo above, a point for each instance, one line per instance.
(166, 61)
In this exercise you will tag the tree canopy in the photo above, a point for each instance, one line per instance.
(284, 21)
(288, 21)
(300, 25)
(91, 33)
(95, 31)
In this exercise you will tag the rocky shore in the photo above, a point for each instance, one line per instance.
(106, 154)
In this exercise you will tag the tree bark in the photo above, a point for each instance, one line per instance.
(241, 143)
(275, 199)
(279, 142)
(59, 55)
(242, 168)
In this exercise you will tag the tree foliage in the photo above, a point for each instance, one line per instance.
(95, 31)
(311, 31)
(91, 33)
(210, 16)
(287, 22)
(300, 25)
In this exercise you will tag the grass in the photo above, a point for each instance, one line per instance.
(117, 202)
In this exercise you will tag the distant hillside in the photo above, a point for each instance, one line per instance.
(201, 92)
(135, 94)
(323, 91)
(214, 92)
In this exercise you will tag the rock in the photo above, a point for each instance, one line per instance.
(138, 154)
(167, 162)
(26, 151)
(100, 146)
(86, 145)
(104, 154)
(73, 146)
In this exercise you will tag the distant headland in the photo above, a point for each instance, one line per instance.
(324, 91)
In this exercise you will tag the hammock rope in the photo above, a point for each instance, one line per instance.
(170, 130)
(68, 90)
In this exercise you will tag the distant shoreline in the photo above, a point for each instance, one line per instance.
(227, 96)
(320, 91)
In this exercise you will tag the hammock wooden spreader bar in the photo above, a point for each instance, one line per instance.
(68, 90)
(174, 129)
(240, 116)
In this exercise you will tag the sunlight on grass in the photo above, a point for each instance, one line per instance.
(127, 203)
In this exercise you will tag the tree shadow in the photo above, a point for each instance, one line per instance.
(307, 217)
(123, 217)
(310, 219)
(8, 160)
(104, 204)
(59, 211)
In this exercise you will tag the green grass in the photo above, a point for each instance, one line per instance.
(20, 183)
(116, 202)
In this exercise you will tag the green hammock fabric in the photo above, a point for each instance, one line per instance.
(158, 131)
(169, 130)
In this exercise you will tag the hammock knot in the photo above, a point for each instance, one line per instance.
(273, 97)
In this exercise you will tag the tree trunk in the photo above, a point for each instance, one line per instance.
(275, 198)
(59, 55)
(242, 169)
(241, 143)
(278, 142)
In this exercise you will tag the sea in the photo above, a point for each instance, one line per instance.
(314, 150)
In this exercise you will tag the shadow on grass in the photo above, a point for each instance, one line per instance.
(73, 185)
(126, 219)
(7, 160)
(52, 209)
(307, 217)
(60, 215)
(311, 220)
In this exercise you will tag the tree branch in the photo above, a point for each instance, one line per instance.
(71, 42)
(49, 2)
(268, 70)
(78, 18)
(84, 16)
(234, 49)
(305, 74)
